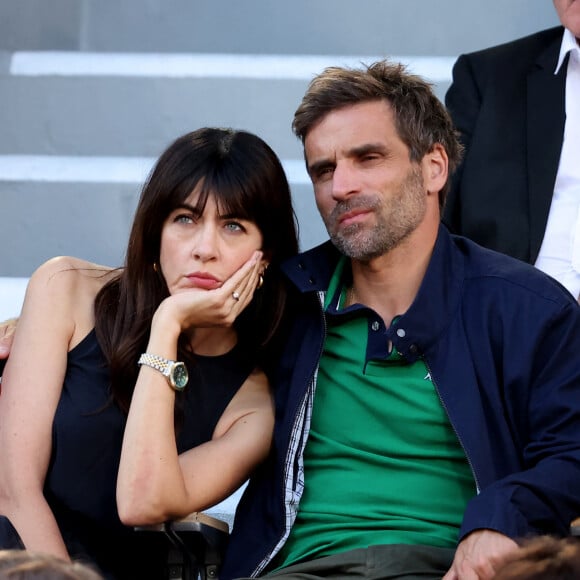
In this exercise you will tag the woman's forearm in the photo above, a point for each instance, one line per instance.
(34, 521)
(150, 477)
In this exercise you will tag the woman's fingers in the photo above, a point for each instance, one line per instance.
(219, 307)
(241, 285)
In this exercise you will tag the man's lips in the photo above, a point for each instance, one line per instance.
(354, 216)
(202, 280)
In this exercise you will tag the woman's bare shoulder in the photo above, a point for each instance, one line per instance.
(69, 272)
(64, 289)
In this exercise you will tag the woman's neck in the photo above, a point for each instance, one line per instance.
(212, 341)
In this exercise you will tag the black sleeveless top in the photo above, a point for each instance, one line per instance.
(87, 437)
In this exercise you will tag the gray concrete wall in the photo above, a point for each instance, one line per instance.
(312, 26)
(41, 24)
(269, 26)
(53, 123)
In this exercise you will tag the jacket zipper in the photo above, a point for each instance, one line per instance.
(453, 427)
(268, 556)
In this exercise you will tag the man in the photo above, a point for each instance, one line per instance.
(517, 107)
(428, 399)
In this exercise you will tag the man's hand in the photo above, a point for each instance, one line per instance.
(478, 555)
(7, 329)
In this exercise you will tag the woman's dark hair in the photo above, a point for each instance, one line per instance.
(247, 180)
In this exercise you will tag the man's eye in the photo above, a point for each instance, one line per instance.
(324, 173)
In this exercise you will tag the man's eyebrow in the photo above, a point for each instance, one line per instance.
(354, 152)
(367, 148)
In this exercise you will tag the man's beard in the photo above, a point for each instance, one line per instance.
(396, 218)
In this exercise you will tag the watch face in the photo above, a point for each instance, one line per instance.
(179, 376)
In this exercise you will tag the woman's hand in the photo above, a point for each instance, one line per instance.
(202, 308)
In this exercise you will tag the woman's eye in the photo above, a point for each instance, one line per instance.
(184, 219)
(235, 227)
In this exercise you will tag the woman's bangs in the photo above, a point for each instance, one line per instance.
(231, 198)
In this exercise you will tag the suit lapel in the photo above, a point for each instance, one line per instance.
(545, 133)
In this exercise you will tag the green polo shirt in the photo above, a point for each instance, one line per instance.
(382, 462)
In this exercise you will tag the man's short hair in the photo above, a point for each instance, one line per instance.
(421, 119)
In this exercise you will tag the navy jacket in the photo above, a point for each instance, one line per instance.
(502, 342)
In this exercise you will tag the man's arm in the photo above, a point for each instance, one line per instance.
(542, 497)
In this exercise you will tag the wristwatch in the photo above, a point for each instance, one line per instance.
(175, 372)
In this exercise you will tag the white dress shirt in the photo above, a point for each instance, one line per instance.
(560, 251)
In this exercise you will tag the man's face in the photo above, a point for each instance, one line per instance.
(369, 193)
(569, 15)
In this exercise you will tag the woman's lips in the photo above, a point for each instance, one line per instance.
(205, 281)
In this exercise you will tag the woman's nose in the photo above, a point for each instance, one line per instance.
(204, 246)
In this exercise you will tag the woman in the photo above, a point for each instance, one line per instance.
(96, 361)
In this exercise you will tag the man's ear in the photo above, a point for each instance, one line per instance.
(435, 168)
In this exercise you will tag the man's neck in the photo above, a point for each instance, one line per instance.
(389, 284)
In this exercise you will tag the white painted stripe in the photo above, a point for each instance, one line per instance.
(177, 65)
(63, 169)
(11, 296)
(228, 505)
(76, 169)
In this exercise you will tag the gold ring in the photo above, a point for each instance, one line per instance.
(235, 296)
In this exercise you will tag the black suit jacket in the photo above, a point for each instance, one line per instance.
(510, 110)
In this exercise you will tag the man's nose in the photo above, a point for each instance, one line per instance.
(345, 181)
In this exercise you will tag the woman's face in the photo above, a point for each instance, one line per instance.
(202, 251)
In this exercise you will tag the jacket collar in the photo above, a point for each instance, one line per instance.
(569, 44)
(545, 118)
(438, 296)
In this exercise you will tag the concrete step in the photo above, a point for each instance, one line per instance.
(136, 104)
(83, 206)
